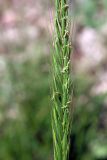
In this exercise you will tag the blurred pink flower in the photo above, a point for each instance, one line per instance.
(9, 18)
(101, 86)
(32, 14)
(92, 49)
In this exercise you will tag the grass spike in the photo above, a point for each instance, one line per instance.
(61, 124)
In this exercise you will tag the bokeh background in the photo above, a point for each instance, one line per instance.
(26, 31)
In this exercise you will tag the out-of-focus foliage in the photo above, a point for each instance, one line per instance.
(25, 131)
(88, 138)
(93, 13)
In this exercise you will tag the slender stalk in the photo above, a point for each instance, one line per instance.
(61, 82)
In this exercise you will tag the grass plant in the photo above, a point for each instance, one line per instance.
(61, 88)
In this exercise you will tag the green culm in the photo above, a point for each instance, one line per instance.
(61, 88)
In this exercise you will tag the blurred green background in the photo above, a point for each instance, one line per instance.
(26, 31)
